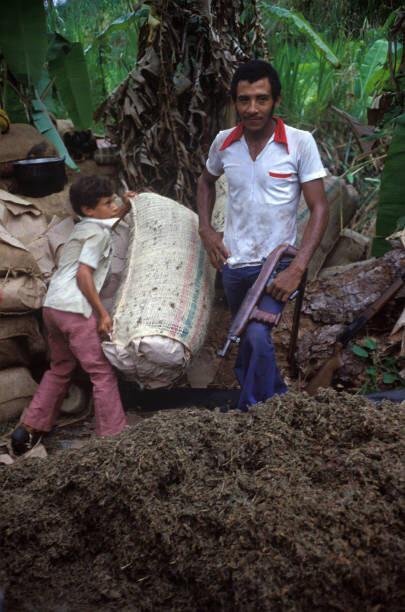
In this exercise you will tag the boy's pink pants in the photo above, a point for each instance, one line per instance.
(73, 338)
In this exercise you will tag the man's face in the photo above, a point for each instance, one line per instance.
(106, 208)
(254, 104)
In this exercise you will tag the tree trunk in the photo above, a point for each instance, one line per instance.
(166, 113)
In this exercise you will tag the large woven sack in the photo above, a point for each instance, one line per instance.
(16, 390)
(161, 313)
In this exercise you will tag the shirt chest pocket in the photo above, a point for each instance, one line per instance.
(280, 175)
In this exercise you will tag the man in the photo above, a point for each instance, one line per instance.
(267, 164)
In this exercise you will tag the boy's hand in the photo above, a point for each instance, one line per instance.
(127, 195)
(127, 204)
(104, 326)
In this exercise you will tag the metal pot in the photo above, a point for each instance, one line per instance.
(40, 177)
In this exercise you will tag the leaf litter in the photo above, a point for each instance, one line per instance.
(298, 505)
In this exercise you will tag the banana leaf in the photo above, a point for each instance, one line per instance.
(43, 123)
(122, 23)
(299, 22)
(67, 65)
(23, 38)
(391, 202)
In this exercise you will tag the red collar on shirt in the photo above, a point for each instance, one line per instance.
(236, 134)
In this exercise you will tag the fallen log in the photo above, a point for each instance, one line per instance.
(334, 301)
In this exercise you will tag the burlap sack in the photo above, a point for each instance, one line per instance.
(20, 139)
(13, 353)
(20, 217)
(15, 257)
(21, 294)
(162, 310)
(54, 204)
(20, 340)
(16, 390)
(23, 227)
(23, 326)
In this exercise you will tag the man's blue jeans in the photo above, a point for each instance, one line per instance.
(255, 367)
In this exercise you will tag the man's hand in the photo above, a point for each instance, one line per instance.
(285, 283)
(214, 246)
(104, 326)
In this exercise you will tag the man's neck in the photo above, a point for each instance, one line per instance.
(260, 136)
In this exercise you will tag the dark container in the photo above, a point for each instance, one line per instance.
(40, 177)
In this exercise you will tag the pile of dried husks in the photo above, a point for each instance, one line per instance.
(298, 505)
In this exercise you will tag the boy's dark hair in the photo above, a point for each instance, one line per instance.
(253, 71)
(87, 191)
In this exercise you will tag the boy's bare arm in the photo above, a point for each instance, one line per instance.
(84, 277)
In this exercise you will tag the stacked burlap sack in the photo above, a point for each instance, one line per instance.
(162, 309)
(25, 264)
(27, 261)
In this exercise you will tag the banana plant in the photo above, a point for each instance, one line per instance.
(298, 22)
(122, 24)
(38, 62)
(67, 67)
(391, 202)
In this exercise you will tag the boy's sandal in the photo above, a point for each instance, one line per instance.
(23, 440)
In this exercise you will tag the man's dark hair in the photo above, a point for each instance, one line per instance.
(253, 71)
(87, 191)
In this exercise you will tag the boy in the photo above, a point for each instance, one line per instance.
(75, 318)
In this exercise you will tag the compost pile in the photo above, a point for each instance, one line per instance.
(297, 505)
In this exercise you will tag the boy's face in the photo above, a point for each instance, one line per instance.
(106, 208)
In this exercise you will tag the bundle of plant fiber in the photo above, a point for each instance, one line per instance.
(298, 505)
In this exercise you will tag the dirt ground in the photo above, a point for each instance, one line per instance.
(298, 505)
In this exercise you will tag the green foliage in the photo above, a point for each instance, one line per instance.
(372, 73)
(350, 17)
(301, 25)
(43, 123)
(392, 193)
(311, 79)
(109, 35)
(67, 66)
(23, 38)
(122, 24)
(380, 370)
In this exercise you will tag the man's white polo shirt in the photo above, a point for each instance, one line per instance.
(263, 195)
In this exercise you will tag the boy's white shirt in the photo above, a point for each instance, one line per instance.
(90, 243)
